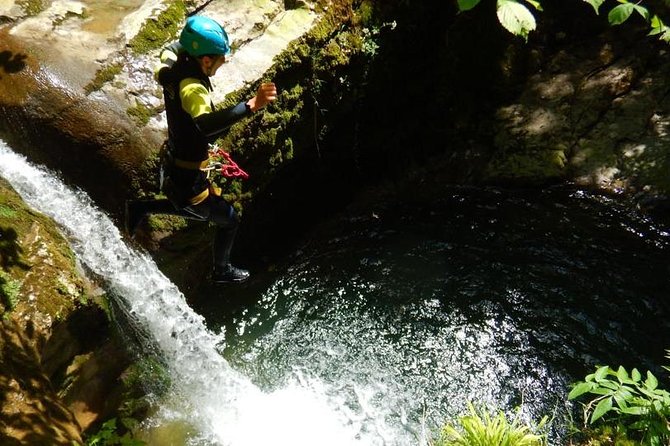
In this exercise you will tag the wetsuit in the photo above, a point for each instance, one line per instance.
(193, 123)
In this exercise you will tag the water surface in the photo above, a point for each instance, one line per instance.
(377, 331)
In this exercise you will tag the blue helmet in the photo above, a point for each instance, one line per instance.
(203, 36)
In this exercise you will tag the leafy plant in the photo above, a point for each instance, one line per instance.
(108, 436)
(479, 428)
(516, 16)
(635, 405)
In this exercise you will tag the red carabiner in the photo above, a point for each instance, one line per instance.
(230, 169)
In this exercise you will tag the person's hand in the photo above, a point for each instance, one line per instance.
(266, 93)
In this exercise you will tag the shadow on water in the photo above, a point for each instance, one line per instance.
(12, 63)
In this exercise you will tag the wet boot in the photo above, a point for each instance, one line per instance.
(229, 274)
(224, 271)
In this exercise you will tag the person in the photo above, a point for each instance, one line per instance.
(193, 123)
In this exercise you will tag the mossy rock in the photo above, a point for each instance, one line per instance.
(533, 166)
(39, 274)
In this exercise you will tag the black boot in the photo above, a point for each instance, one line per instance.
(224, 271)
(134, 216)
(229, 274)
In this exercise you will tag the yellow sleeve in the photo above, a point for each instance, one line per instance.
(194, 97)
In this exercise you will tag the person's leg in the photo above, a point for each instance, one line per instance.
(223, 215)
(137, 210)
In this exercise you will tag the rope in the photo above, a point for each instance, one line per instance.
(228, 168)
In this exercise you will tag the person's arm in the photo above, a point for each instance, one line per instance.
(196, 102)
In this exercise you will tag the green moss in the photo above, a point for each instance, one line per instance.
(364, 15)
(6, 212)
(68, 15)
(9, 291)
(34, 255)
(166, 223)
(603, 435)
(537, 165)
(268, 137)
(288, 149)
(102, 76)
(140, 113)
(157, 31)
(648, 163)
(32, 7)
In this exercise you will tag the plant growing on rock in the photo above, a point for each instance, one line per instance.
(633, 404)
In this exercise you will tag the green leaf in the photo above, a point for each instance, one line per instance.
(620, 13)
(636, 375)
(601, 373)
(633, 410)
(644, 12)
(580, 389)
(601, 391)
(515, 18)
(623, 397)
(651, 383)
(656, 22)
(606, 383)
(601, 409)
(658, 406)
(466, 5)
(648, 393)
(596, 4)
(536, 4)
(622, 375)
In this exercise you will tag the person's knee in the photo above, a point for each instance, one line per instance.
(223, 214)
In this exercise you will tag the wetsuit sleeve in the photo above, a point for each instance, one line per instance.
(196, 101)
(213, 124)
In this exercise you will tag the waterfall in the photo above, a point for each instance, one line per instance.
(223, 406)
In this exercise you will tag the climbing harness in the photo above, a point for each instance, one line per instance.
(218, 160)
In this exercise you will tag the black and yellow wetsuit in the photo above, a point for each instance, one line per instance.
(193, 123)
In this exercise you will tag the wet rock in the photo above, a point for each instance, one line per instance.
(595, 115)
(31, 412)
(90, 141)
(50, 59)
(40, 287)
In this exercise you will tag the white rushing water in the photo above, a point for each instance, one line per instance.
(221, 405)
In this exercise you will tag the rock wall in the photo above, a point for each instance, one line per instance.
(596, 112)
(61, 364)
